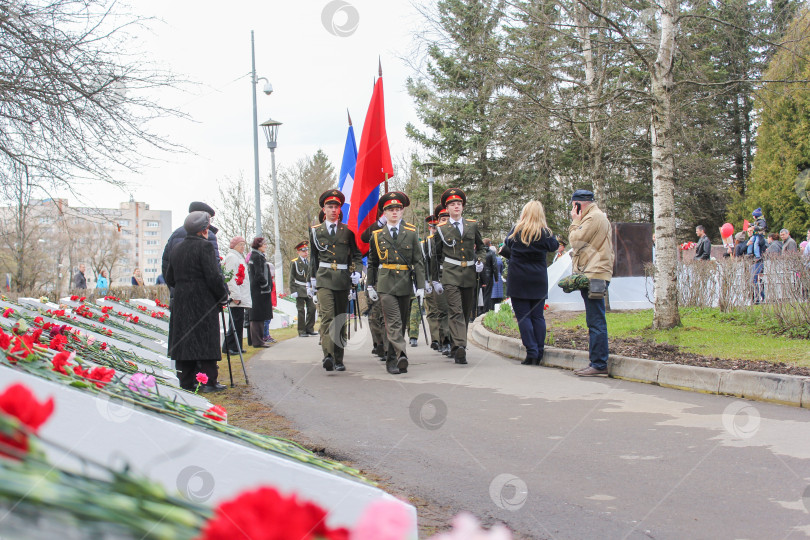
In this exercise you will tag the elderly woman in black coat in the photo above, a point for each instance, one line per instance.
(261, 286)
(199, 293)
(527, 246)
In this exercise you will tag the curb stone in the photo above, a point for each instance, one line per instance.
(772, 387)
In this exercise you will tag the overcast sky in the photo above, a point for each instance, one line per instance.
(315, 73)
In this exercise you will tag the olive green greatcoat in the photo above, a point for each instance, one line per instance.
(405, 250)
(338, 249)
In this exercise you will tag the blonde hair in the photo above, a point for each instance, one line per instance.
(532, 223)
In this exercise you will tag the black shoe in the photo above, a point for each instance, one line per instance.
(529, 361)
(434, 345)
(206, 388)
(328, 363)
(391, 366)
(402, 363)
(312, 333)
(233, 353)
(538, 360)
(460, 355)
(340, 367)
(414, 342)
(303, 334)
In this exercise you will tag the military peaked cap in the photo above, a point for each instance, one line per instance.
(302, 245)
(453, 194)
(332, 196)
(393, 198)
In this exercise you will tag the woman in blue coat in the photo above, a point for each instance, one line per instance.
(527, 246)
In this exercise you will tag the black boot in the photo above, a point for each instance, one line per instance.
(391, 365)
(460, 355)
(529, 361)
(402, 363)
(329, 363)
(434, 345)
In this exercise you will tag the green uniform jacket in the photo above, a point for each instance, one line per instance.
(405, 250)
(299, 276)
(338, 250)
(468, 248)
(425, 247)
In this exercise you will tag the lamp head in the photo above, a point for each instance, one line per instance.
(268, 88)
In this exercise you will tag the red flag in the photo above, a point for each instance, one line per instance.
(373, 164)
(745, 225)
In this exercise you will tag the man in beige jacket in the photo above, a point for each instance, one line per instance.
(592, 255)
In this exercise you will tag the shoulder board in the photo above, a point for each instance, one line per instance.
(295, 259)
(430, 236)
(315, 226)
(408, 224)
(378, 231)
(411, 228)
(471, 220)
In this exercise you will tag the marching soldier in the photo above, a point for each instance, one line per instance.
(460, 253)
(395, 268)
(441, 299)
(376, 323)
(301, 291)
(332, 272)
(431, 305)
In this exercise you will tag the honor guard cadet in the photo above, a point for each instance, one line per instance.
(441, 299)
(460, 252)
(376, 323)
(333, 270)
(431, 297)
(395, 269)
(302, 292)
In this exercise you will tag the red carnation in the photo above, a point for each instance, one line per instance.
(106, 309)
(104, 346)
(5, 340)
(74, 297)
(38, 320)
(240, 274)
(58, 342)
(19, 402)
(265, 514)
(62, 361)
(8, 313)
(217, 412)
(81, 372)
(100, 376)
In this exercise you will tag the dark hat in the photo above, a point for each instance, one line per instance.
(440, 211)
(198, 206)
(757, 213)
(301, 245)
(196, 222)
(333, 196)
(582, 195)
(431, 220)
(453, 194)
(393, 198)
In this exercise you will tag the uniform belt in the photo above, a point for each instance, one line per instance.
(395, 266)
(462, 264)
(300, 283)
(333, 266)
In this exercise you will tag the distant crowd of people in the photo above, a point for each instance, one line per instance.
(757, 245)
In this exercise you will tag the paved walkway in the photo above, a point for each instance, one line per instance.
(550, 454)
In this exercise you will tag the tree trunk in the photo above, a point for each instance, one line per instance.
(663, 169)
(594, 90)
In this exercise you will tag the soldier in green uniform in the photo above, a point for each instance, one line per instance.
(431, 306)
(441, 299)
(301, 291)
(395, 267)
(335, 266)
(376, 323)
(460, 254)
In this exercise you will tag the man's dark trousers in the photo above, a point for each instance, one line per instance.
(597, 331)
(306, 323)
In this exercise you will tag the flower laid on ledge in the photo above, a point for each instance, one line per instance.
(77, 298)
(18, 402)
(141, 383)
(8, 313)
(158, 303)
(217, 413)
(111, 297)
(266, 514)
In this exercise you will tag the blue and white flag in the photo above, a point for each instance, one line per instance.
(347, 169)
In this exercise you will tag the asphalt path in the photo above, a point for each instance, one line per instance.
(547, 453)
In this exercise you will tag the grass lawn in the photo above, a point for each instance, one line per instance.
(704, 331)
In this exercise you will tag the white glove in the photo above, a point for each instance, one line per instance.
(294, 295)
(315, 299)
(309, 292)
(352, 295)
(479, 266)
(382, 221)
(438, 287)
(372, 294)
(356, 278)
(312, 284)
(428, 288)
(420, 294)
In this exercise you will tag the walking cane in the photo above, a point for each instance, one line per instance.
(227, 352)
(422, 317)
(227, 348)
(349, 323)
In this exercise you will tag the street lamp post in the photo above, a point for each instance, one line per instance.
(268, 89)
(430, 180)
(270, 128)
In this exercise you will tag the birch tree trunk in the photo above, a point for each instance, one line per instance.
(593, 84)
(666, 314)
